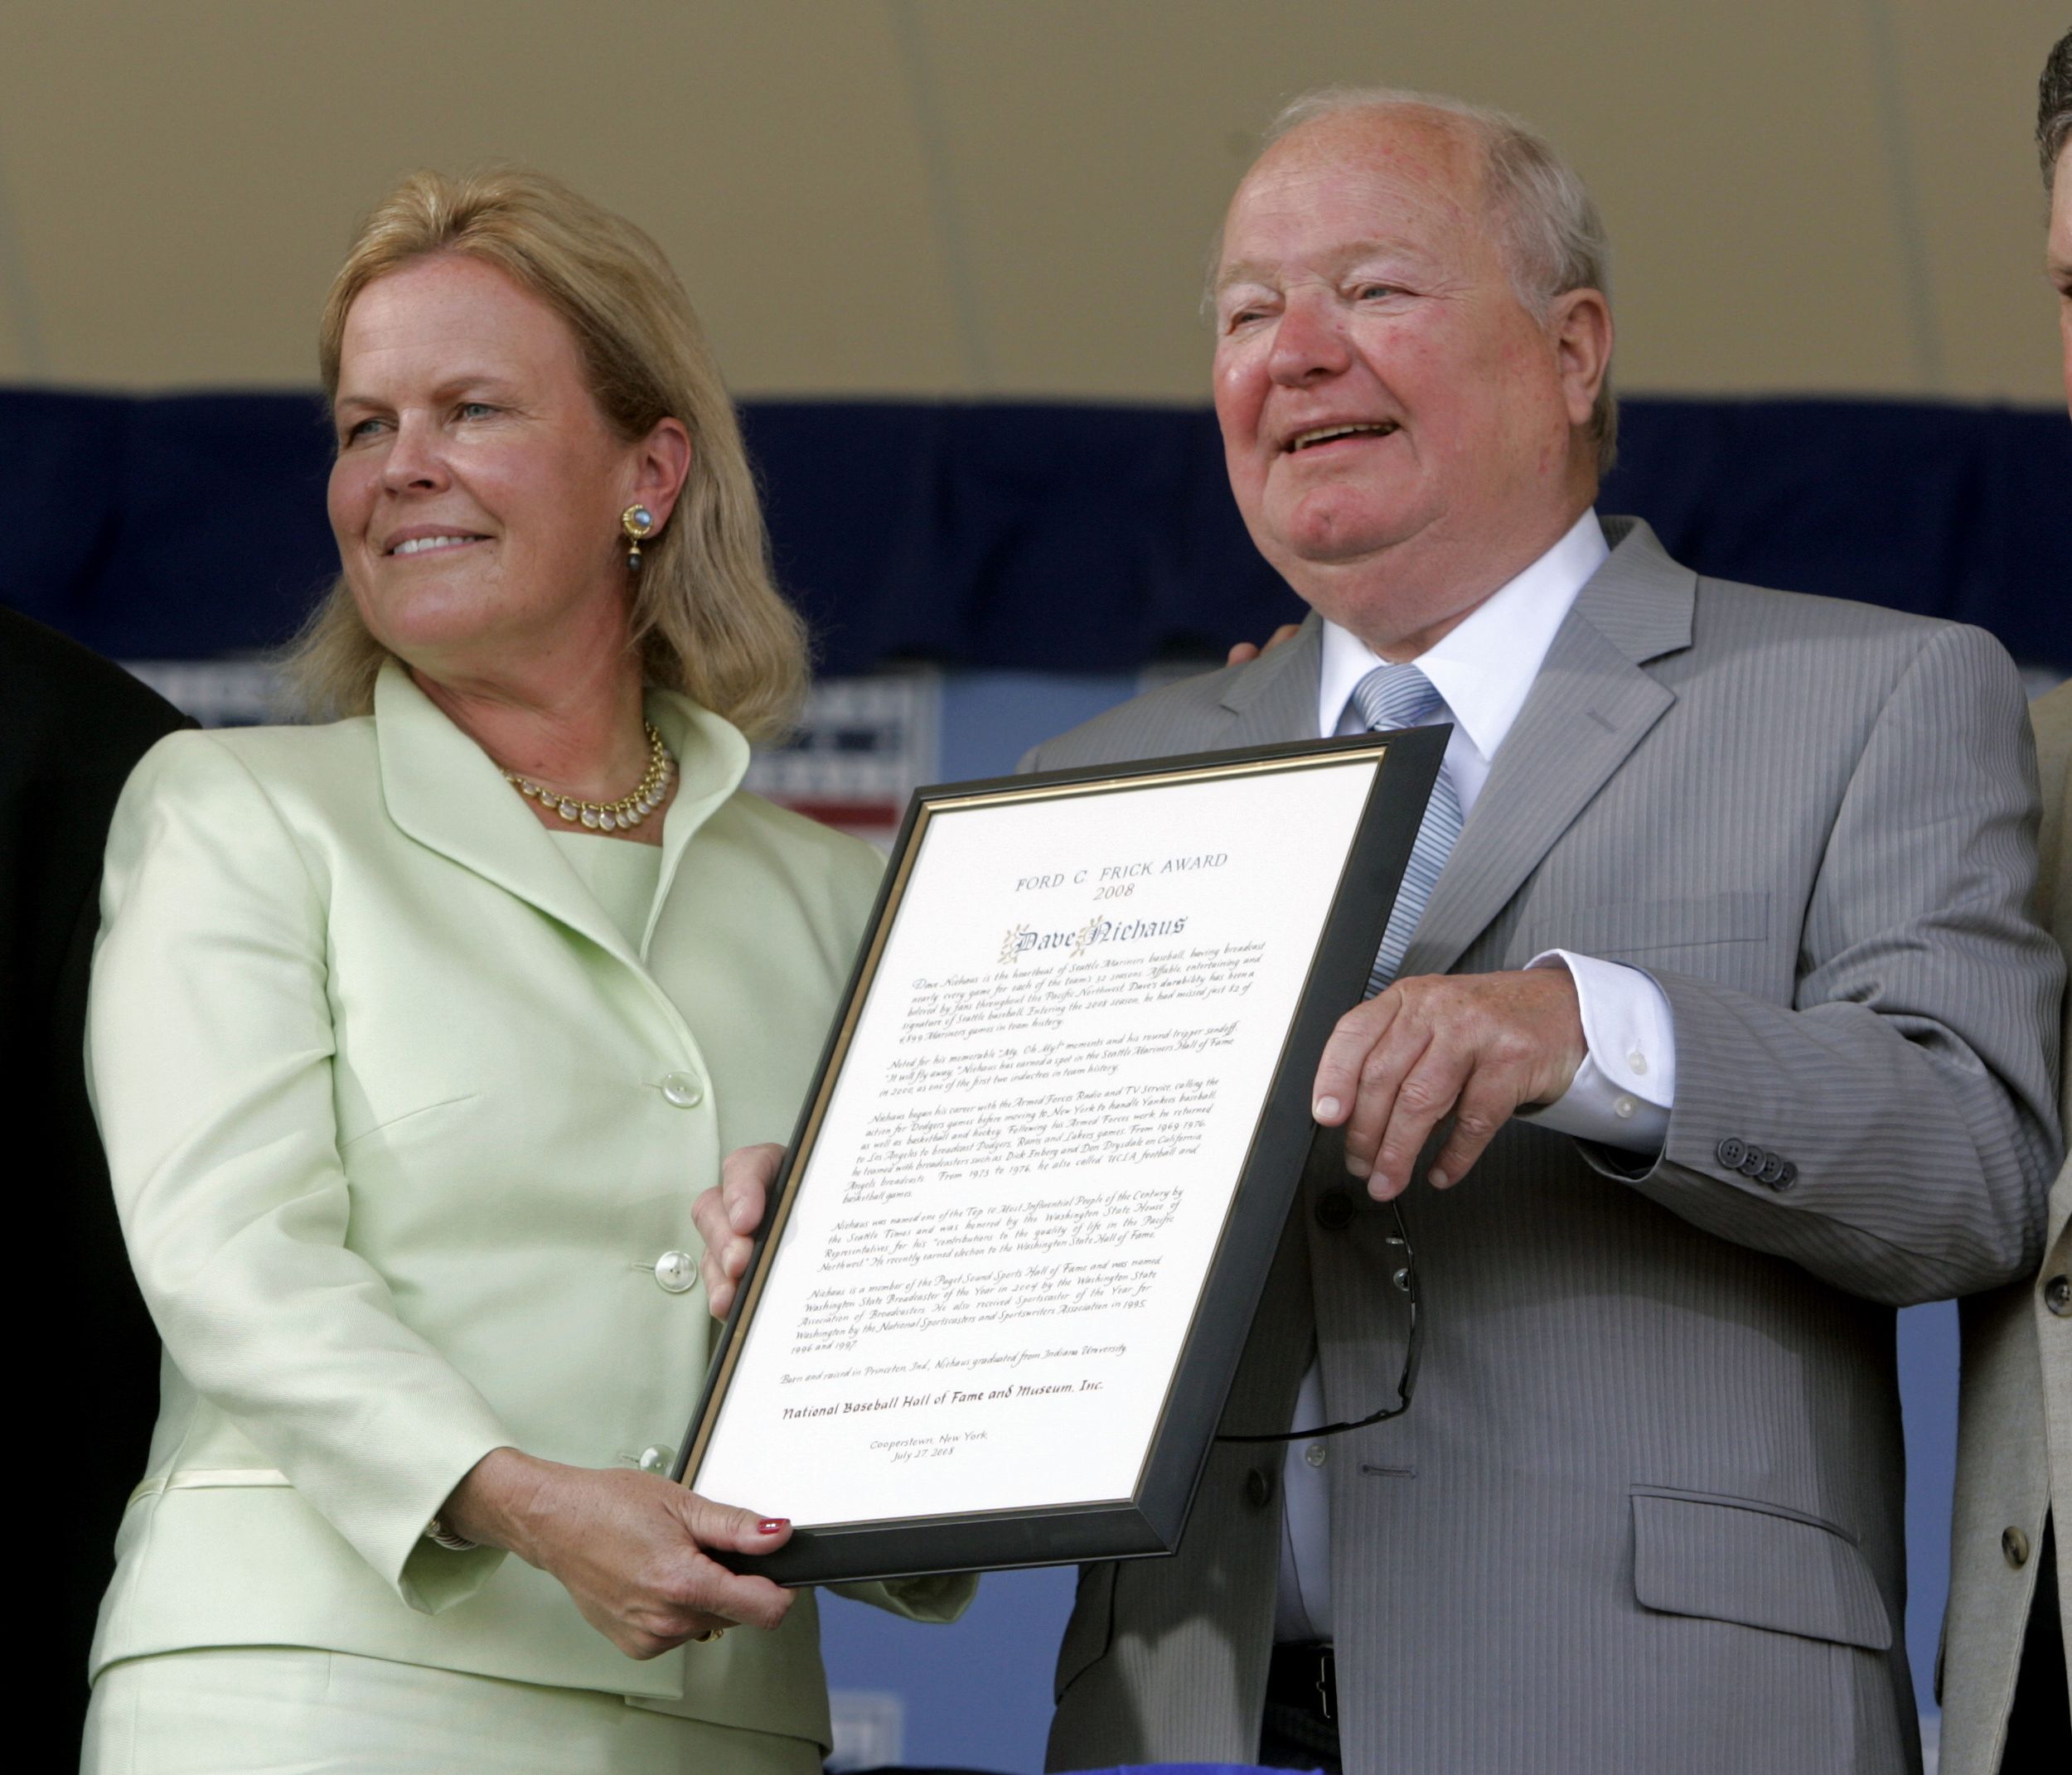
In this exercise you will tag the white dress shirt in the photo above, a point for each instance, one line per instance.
(1622, 1094)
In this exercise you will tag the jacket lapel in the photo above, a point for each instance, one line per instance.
(1275, 697)
(1588, 708)
(443, 790)
(712, 758)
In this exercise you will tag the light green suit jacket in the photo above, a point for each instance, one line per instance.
(382, 1087)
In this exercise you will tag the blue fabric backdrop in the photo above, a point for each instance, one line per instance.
(1073, 538)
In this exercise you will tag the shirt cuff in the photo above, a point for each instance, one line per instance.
(1623, 1093)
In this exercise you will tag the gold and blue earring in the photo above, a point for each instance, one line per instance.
(638, 523)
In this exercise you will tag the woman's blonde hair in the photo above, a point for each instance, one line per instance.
(707, 616)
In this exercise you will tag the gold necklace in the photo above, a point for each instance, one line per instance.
(649, 793)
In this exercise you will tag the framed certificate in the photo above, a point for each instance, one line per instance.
(1016, 1245)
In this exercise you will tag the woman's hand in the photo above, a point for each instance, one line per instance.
(629, 1547)
(727, 1218)
(1245, 652)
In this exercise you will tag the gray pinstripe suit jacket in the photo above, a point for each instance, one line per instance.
(1645, 1514)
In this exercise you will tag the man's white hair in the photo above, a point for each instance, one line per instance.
(1552, 235)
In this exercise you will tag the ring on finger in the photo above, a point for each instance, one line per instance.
(708, 1636)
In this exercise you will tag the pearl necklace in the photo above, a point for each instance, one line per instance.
(649, 793)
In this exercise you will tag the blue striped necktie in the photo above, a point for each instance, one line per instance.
(1401, 696)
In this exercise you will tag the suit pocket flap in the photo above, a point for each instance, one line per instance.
(1728, 1560)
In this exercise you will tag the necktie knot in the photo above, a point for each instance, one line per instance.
(1395, 696)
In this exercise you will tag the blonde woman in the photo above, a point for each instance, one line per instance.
(414, 1035)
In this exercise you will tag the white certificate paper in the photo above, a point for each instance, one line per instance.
(995, 1245)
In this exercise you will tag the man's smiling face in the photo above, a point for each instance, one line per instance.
(1378, 381)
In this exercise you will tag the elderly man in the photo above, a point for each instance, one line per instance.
(1792, 1023)
(1711, 1003)
(2008, 1655)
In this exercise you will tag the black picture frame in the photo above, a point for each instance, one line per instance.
(1149, 1522)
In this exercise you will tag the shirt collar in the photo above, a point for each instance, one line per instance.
(1485, 666)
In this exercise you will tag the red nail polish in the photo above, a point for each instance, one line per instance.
(772, 1525)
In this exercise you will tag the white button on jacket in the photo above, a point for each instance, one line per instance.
(676, 1270)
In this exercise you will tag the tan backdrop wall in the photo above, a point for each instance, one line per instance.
(933, 197)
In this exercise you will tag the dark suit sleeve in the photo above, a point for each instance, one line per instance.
(71, 727)
(1906, 1096)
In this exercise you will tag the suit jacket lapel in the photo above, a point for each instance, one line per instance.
(712, 756)
(1274, 698)
(444, 791)
(1588, 708)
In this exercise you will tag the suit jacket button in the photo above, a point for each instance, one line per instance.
(657, 1459)
(1334, 1210)
(2057, 1296)
(1789, 1176)
(1730, 1151)
(676, 1271)
(2015, 1544)
(1259, 1488)
(1772, 1171)
(1752, 1162)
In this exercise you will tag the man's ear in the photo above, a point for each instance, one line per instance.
(1579, 327)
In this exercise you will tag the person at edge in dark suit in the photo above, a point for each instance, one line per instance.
(71, 727)
(1711, 1026)
(2006, 1669)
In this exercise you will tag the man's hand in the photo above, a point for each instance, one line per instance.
(727, 1218)
(1475, 1047)
(1244, 652)
(628, 1547)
